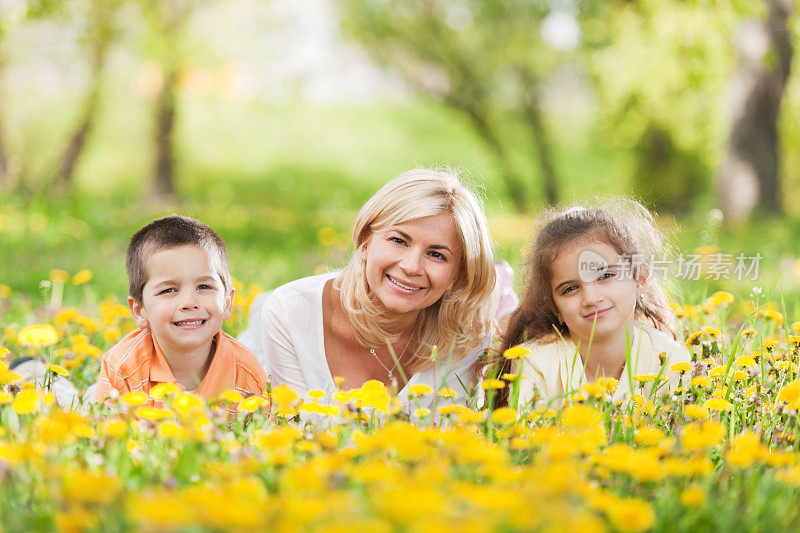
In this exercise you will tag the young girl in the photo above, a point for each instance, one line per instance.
(592, 292)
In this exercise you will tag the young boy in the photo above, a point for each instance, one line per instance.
(180, 294)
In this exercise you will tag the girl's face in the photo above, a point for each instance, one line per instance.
(410, 266)
(594, 290)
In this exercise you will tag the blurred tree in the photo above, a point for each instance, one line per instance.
(660, 68)
(99, 31)
(750, 173)
(166, 22)
(486, 60)
(12, 14)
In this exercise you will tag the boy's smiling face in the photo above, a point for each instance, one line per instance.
(184, 301)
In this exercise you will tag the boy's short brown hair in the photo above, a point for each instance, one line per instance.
(170, 232)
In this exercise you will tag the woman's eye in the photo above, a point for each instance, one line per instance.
(397, 240)
(438, 255)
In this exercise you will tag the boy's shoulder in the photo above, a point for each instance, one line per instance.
(243, 357)
(130, 352)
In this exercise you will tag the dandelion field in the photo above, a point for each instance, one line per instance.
(720, 454)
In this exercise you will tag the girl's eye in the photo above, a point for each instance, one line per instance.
(607, 275)
(205, 287)
(165, 291)
(569, 289)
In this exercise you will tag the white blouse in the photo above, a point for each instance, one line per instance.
(292, 347)
(556, 368)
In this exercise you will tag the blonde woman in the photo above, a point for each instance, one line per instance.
(421, 276)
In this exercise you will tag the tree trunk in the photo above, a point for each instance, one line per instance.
(750, 174)
(164, 182)
(77, 141)
(516, 190)
(541, 138)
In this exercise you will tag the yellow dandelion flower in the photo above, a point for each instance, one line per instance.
(230, 396)
(681, 367)
(447, 393)
(59, 276)
(504, 415)
(695, 412)
(644, 378)
(251, 404)
(694, 339)
(82, 276)
(171, 430)
(631, 515)
(153, 413)
(580, 416)
(57, 370)
(422, 412)
(516, 352)
(419, 390)
(701, 381)
(720, 299)
(316, 394)
(740, 375)
(748, 332)
(283, 395)
(163, 389)
(692, 496)
(771, 314)
(114, 428)
(718, 404)
(37, 335)
(488, 384)
(26, 402)
(134, 399)
(714, 333)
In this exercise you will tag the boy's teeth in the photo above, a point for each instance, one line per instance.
(190, 322)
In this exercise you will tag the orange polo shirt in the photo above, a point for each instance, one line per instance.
(136, 363)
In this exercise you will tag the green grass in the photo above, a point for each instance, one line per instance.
(269, 178)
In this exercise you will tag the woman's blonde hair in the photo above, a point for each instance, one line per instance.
(459, 321)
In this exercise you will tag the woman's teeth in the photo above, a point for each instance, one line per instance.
(406, 287)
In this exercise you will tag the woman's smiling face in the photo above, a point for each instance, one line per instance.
(409, 266)
(597, 298)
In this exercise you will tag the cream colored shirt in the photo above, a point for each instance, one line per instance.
(556, 369)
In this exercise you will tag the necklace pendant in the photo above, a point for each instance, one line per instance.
(391, 378)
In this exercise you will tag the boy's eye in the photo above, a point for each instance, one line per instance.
(168, 290)
(205, 286)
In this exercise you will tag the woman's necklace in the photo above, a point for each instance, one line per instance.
(390, 370)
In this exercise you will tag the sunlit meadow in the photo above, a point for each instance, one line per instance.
(720, 453)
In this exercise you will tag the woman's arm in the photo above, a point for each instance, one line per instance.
(279, 356)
